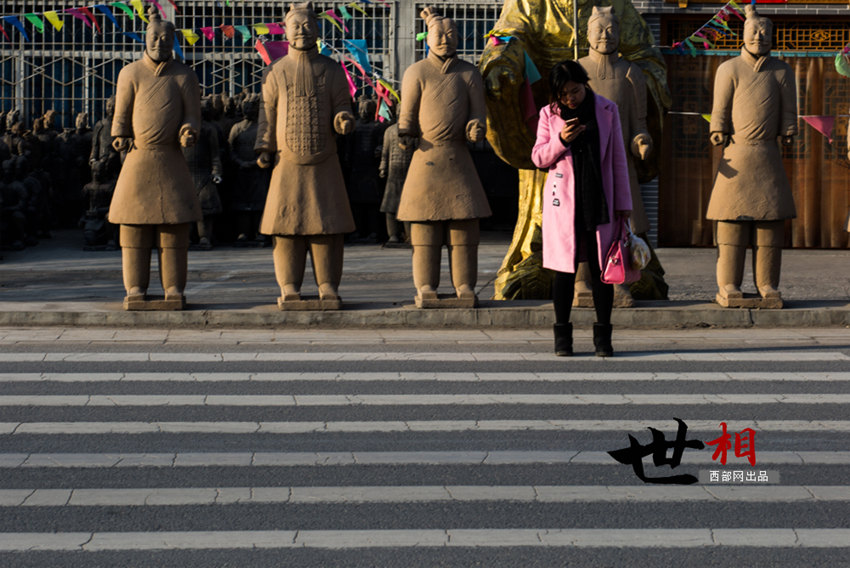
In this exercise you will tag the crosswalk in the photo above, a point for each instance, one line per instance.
(414, 458)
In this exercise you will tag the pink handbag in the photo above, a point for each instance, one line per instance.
(618, 267)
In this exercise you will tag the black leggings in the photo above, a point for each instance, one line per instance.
(563, 288)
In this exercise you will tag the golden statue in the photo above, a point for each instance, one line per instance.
(542, 31)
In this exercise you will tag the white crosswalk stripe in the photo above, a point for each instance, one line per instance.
(131, 455)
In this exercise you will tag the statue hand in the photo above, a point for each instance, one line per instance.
(122, 144)
(188, 136)
(642, 146)
(216, 179)
(719, 138)
(475, 130)
(343, 123)
(265, 159)
(787, 140)
(496, 76)
(406, 141)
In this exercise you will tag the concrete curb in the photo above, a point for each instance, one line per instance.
(508, 315)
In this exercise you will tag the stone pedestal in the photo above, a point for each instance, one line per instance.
(154, 303)
(309, 304)
(447, 301)
(749, 301)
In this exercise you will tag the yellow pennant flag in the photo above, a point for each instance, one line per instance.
(53, 18)
(389, 87)
(190, 36)
(261, 29)
(140, 8)
(707, 117)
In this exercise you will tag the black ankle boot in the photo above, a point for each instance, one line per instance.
(602, 339)
(563, 339)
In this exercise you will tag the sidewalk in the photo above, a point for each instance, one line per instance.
(58, 283)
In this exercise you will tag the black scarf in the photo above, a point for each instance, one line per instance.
(591, 206)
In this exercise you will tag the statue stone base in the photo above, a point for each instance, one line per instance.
(138, 303)
(447, 301)
(310, 304)
(773, 302)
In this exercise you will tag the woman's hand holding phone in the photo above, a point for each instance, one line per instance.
(571, 130)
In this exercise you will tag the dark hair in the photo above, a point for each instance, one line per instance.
(561, 74)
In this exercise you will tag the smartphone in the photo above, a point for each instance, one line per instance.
(572, 122)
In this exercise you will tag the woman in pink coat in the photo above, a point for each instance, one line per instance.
(579, 142)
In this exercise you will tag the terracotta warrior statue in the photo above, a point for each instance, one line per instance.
(157, 111)
(755, 105)
(204, 161)
(395, 162)
(623, 82)
(443, 106)
(305, 101)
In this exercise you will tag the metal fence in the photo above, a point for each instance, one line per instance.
(74, 69)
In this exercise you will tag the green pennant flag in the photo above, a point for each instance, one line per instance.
(125, 8)
(246, 33)
(346, 15)
(36, 22)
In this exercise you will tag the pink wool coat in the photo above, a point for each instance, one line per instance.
(549, 153)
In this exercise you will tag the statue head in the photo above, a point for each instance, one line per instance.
(251, 108)
(603, 30)
(110, 106)
(12, 118)
(49, 119)
(82, 121)
(758, 32)
(442, 33)
(207, 110)
(366, 109)
(159, 38)
(38, 126)
(302, 28)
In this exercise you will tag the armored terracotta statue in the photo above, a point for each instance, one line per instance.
(395, 162)
(105, 163)
(755, 105)
(204, 161)
(157, 111)
(365, 186)
(541, 31)
(443, 106)
(305, 100)
(248, 197)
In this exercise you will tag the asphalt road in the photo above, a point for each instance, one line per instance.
(417, 448)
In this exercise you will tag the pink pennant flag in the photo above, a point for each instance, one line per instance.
(159, 7)
(88, 13)
(271, 51)
(208, 32)
(173, 3)
(352, 88)
(275, 29)
(77, 13)
(823, 124)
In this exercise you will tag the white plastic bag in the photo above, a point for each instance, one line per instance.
(639, 251)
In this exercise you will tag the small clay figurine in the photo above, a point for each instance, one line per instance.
(157, 111)
(443, 106)
(305, 101)
(395, 161)
(755, 104)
